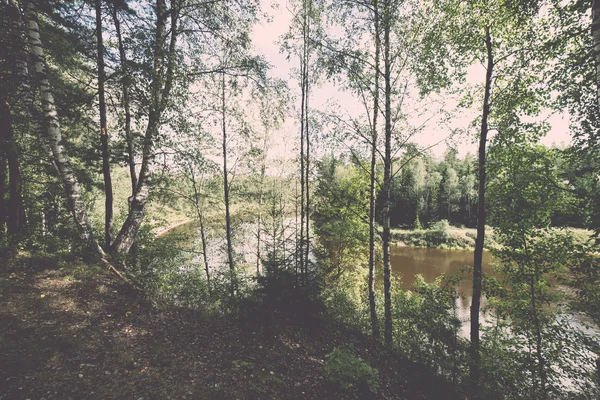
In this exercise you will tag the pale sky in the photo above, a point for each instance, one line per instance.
(265, 38)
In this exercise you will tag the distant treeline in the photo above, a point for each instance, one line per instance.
(426, 189)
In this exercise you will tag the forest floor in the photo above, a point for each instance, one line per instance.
(71, 331)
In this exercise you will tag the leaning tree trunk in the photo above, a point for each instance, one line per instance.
(372, 191)
(53, 136)
(200, 214)
(387, 173)
(479, 242)
(108, 192)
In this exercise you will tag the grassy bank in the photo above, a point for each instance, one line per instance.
(442, 236)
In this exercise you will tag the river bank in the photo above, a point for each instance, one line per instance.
(441, 238)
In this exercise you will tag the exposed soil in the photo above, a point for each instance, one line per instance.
(70, 331)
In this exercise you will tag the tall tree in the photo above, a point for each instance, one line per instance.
(15, 98)
(502, 37)
(299, 41)
(12, 211)
(386, 26)
(596, 44)
(479, 240)
(373, 172)
(125, 87)
(108, 192)
(226, 188)
(162, 76)
(52, 132)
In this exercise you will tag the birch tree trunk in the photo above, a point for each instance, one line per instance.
(52, 133)
(306, 133)
(479, 241)
(596, 44)
(302, 127)
(387, 173)
(226, 189)
(373, 172)
(108, 192)
(259, 223)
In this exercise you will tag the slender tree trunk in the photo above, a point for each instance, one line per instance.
(16, 210)
(52, 133)
(260, 205)
(200, 214)
(13, 209)
(306, 133)
(52, 137)
(126, 105)
(108, 192)
(125, 78)
(479, 242)
(538, 340)
(372, 191)
(226, 189)
(596, 44)
(204, 248)
(387, 173)
(296, 261)
(3, 169)
(302, 166)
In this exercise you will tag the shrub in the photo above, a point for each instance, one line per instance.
(349, 371)
(280, 299)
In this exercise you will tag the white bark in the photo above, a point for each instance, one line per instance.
(52, 132)
(596, 43)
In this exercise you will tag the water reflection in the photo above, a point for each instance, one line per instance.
(407, 262)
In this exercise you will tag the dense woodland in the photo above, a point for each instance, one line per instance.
(122, 119)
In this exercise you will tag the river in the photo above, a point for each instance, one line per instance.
(407, 262)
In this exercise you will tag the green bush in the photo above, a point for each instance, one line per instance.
(351, 372)
(279, 298)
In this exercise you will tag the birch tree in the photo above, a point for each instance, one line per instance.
(502, 39)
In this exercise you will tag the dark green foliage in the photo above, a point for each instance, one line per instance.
(280, 300)
(350, 372)
(428, 326)
(341, 212)
(427, 190)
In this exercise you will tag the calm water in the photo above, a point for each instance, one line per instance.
(408, 262)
